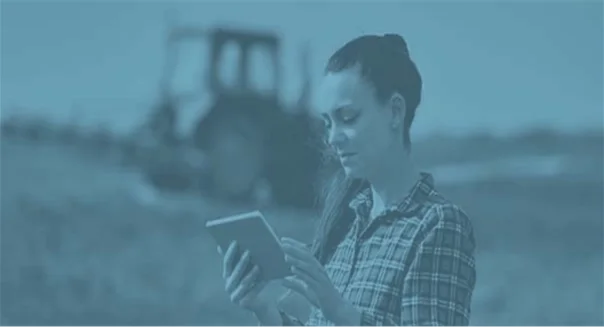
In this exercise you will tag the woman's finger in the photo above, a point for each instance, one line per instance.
(293, 241)
(309, 280)
(308, 268)
(296, 285)
(297, 251)
(249, 283)
(229, 260)
(309, 264)
(301, 288)
(238, 273)
(302, 258)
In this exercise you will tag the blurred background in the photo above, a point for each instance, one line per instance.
(126, 125)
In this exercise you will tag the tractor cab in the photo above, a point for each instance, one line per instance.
(252, 142)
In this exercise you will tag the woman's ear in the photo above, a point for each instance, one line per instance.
(399, 109)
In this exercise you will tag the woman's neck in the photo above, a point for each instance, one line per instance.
(392, 182)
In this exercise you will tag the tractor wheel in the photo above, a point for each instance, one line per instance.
(236, 154)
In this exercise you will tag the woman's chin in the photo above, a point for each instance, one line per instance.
(351, 172)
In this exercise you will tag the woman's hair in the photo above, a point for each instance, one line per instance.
(385, 63)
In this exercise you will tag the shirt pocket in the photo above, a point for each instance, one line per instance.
(377, 280)
(340, 265)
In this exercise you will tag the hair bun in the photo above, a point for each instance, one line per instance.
(397, 42)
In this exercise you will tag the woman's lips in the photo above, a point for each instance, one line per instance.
(345, 156)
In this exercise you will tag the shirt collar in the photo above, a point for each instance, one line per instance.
(362, 203)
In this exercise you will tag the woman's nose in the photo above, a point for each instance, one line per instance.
(336, 138)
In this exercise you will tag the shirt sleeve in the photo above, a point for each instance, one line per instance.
(289, 321)
(438, 288)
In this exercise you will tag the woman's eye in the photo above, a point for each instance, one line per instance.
(348, 117)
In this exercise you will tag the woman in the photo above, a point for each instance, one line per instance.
(390, 250)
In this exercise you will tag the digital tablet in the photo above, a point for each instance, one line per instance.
(252, 232)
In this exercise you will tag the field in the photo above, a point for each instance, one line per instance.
(84, 243)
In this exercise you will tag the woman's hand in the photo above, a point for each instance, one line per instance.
(242, 279)
(311, 281)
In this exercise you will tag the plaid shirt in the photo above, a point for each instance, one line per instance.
(411, 265)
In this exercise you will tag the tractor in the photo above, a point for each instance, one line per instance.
(252, 146)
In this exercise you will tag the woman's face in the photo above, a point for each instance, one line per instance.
(362, 131)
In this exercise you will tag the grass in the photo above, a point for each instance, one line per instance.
(79, 247)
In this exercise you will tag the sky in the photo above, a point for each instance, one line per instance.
(495, 66)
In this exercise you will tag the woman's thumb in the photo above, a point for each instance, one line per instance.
(294, 285)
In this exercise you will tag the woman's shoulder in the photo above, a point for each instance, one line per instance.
(440, 212)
